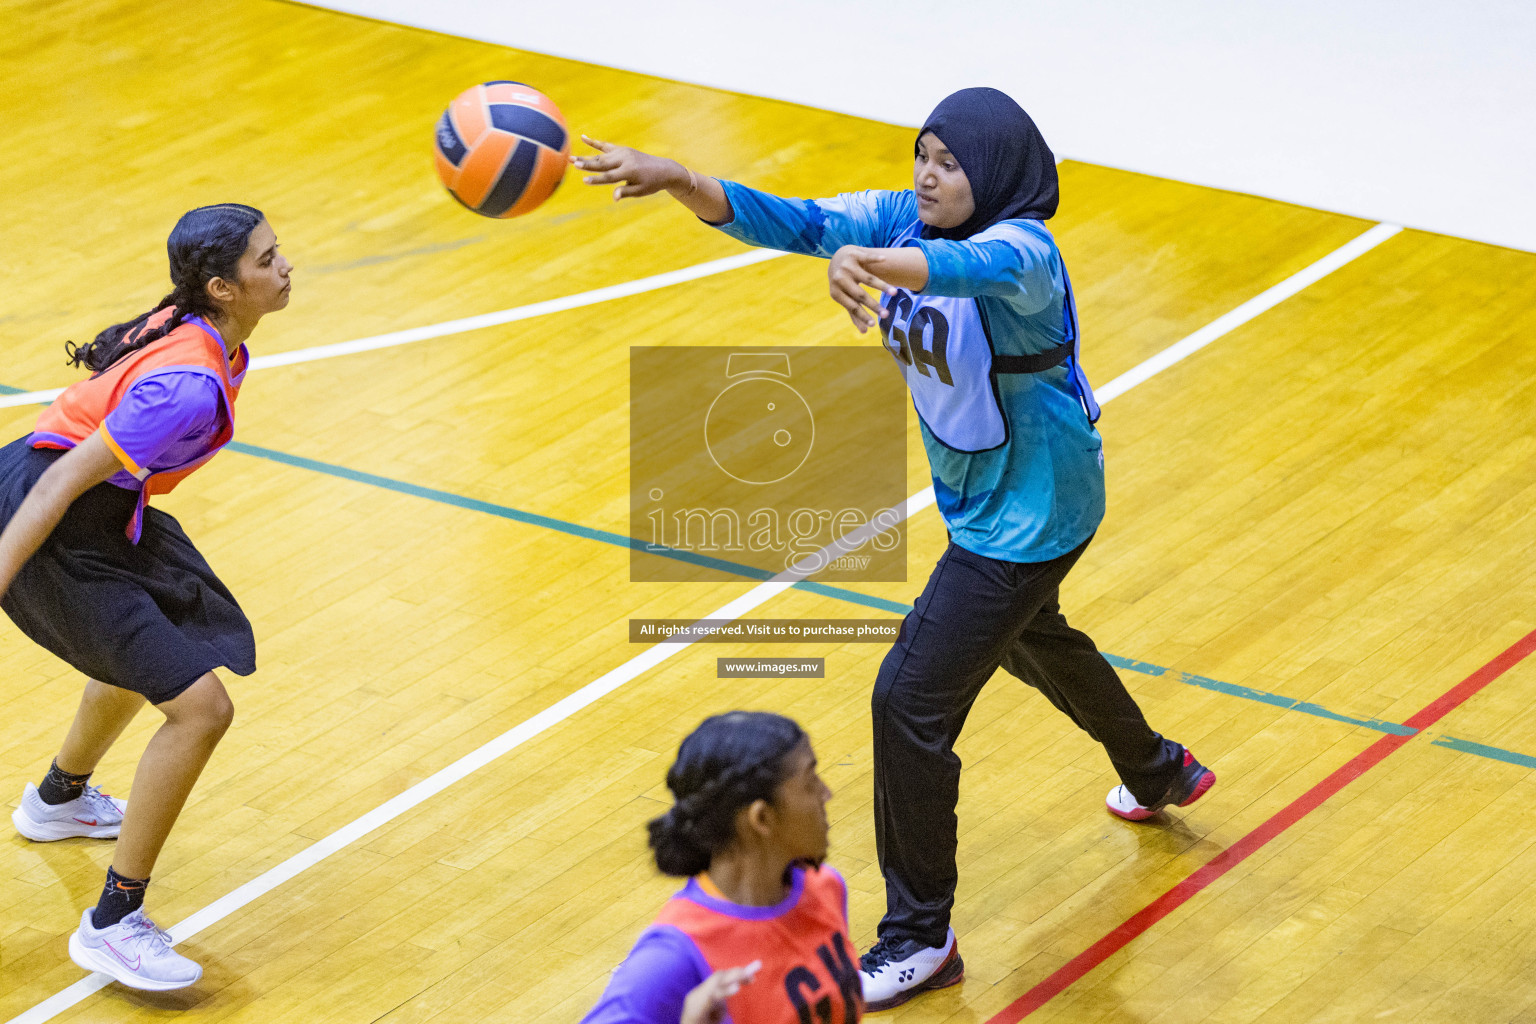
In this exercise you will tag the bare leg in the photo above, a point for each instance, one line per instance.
(194, 723)
(104, 713)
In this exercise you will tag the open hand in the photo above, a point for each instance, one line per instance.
(706, 1003)
(642, 173)
(848, 275)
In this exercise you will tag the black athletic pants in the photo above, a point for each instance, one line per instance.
(975, 614)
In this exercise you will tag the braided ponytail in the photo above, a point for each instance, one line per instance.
(205, 243)
(725, 764)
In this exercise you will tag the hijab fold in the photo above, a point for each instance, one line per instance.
(1011, 170)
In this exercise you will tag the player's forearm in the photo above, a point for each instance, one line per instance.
(906, 267)
(72, 474)
(703, 195)
(39, 513)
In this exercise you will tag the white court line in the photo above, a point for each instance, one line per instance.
(482, 756)
(653, 656)
(472, 323)
(1265, 300)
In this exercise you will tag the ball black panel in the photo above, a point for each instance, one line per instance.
(513, 181)
(529, 123)
(448, 141)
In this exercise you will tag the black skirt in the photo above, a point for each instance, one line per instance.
(151, 617)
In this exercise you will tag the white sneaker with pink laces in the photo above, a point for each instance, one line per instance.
(91, 815)
(134, 952)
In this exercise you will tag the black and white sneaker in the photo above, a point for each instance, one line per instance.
(895, 971)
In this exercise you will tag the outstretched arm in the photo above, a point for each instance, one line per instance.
(643, 174)
(77, 471)
(838, 228)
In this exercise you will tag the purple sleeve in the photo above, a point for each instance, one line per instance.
(159, 411)
(842, 882)
(650, 985)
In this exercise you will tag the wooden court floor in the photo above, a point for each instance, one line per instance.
(1318, 526)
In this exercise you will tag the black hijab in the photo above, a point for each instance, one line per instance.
(1011, 170)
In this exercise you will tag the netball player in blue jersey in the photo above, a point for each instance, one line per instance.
(976, 306)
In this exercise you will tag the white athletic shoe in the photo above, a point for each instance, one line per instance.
(134, 952)
(92, 815)
(893, 972)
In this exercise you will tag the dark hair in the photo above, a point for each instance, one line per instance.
(728, 762)
(205, 243)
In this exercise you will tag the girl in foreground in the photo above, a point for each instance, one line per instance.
(976, 307)
(115, 588)
(760, 931)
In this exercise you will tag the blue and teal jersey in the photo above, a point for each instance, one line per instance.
(1018, 468)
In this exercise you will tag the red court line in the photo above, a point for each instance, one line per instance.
(1251, 843)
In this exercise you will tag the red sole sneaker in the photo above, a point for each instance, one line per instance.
(1198, 784)
(1206, 782)
(1194, 781)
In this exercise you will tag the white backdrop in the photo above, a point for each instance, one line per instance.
(1417, 113)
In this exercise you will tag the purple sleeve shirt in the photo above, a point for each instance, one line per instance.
(164, 420)
(650, 985)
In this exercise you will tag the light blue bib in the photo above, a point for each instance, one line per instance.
(944, 355)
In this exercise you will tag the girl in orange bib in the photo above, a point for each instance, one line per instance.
(115, 588)
(759, 934)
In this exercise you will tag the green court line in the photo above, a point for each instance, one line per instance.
(1496, 753)
(1262, 696)
(559, 525)
(839, 593)
(751, 572)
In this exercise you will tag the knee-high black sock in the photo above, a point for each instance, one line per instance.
(59, 786)
(119, 898)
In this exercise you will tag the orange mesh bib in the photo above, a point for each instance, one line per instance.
(809, 974)
(78, 413)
